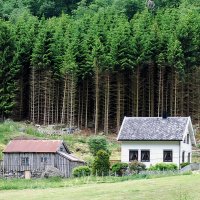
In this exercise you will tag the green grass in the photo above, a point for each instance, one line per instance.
(19, 184)
(165, 188)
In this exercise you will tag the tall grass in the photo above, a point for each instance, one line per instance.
(18, 184)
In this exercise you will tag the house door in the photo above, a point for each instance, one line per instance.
(183, 156)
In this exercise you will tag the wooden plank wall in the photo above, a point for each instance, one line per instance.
(12, 162)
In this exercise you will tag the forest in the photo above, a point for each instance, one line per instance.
(87, 64)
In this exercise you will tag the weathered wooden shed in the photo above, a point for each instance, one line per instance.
(36, 155)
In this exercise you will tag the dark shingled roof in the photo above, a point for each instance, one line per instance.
(153, 128)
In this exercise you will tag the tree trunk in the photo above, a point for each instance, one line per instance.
(96, 96)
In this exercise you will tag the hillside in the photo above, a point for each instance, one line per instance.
(77, 142)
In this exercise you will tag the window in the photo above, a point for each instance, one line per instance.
(25, 161)
(145, 156)
(61, 149)
(44, 159)
(188, 139)
(133, 155)
(189, 157)
(167, 156)
(183, 156)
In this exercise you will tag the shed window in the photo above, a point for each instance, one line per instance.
(167, 156)
(44, 159)
(133, 155)
(25, 161)
(145, 156)
(61, 149)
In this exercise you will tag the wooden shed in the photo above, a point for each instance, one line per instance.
(36, 155)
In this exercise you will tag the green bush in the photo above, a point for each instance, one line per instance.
(97, 143)
(136, 166)
(81, 171)
(164, 167)
(101, 164)
(119, 168)
(184, 164)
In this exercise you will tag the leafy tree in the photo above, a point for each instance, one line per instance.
(101, 164)
(97, 143)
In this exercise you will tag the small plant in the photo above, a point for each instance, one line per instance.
(97, 143)
(136, 166)
(119, 168)
(163, 167)
(81, 171)
(184, 164)
(198, 145)
(101, 164)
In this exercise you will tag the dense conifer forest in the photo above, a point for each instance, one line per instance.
(88, 64)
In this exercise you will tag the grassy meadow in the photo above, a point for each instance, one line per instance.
(185, 187)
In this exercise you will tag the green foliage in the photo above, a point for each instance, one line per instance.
(101, 164)
(8, 71)
(81, 171)
(97, 143)
(136, 166)
(164, 167)
(119, 168)
(182, 165)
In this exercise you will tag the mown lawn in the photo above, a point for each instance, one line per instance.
(185, 187)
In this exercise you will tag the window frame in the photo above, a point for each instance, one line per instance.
(133, 150)
(145, 160)
(43, 159)
(25, 161)
(168, 150)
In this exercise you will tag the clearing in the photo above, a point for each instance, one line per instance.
(185, 187)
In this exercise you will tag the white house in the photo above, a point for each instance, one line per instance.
(154, 140)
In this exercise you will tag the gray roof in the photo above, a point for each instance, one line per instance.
(153, 128)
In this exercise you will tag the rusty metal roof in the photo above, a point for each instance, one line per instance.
(34, 146)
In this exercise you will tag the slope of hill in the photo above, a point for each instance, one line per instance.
(77, 142)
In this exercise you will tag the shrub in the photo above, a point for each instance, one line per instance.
(184, 164)
(97, 143)
(119, 168)
(164, 167)
(101, 164)
(136, 166)
(81, 171)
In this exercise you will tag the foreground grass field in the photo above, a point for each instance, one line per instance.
(184, 187)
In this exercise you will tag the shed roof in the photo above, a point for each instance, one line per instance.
(34, 146)
(70, 157)
(153, 128)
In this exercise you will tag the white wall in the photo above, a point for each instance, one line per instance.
(156, 150)
(187, 148)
